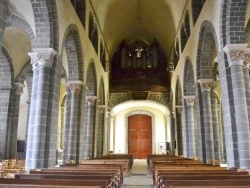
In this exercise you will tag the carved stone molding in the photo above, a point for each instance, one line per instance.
(18, 86)
(235, 54)
(205, 84)
(247, 58)
(91, 100)
(33, 60)
(189, 100)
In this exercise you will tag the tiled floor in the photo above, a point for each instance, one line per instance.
(139, 176)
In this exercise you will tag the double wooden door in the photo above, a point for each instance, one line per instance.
(140, 136)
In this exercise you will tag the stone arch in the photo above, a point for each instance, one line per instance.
(80, 8)
(206, 46)
(14, 20)
(45, 11)
(188, 79)
(185, 31)
(91, 82)
(141, 112)
(196, 9)
(247, 32)
(73, 47)
(235, 21)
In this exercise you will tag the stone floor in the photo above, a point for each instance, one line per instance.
(139, 176)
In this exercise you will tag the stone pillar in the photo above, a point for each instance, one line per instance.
(106, 134)
(99, 132)
(173, 134)
(236, 58)
(89, 127)
(179, 130)
(112, 134)
(246, 69)
(42, 60)
(13, 121)
(75, 89)
(205, 85)
(189, 126)
(216, 125)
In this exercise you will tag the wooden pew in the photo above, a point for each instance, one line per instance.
(118, 178)
(54, 182)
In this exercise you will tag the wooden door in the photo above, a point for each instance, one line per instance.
(140, 136)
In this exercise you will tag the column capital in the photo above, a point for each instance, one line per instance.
(179, 107)
(247, 58)
(42, 57)
(235, 54)
(18, 87)
(189, 100)
(205, 84)
(101, 108)
(74, 86)
(91, 100)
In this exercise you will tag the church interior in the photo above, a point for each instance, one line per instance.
(82, 79)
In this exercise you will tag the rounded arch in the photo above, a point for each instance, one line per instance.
(91, 81)
(188, 79)
(73, 47)
(15, 21)
(6, 70)
(207, 47)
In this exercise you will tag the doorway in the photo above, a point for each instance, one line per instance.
(140, 136)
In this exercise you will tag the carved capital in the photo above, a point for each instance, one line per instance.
(91, 100)
(189, 100)
(235, 54)
(33, 60)
(45, 56)
(74, 87)
(18, 86)
(101, 108)
(205, 84)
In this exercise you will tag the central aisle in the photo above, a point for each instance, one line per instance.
(139, 176)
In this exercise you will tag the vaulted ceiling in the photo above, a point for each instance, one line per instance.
(139, 19)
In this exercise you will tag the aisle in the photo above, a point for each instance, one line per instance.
(139, 176)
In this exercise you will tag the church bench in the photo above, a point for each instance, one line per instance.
(55, 182)
(112, 180)
(163, 178)
(126, 165)
(205, 183)
(90, 172)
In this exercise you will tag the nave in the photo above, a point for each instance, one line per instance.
(123, 171)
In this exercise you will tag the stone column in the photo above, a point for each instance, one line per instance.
(13, 125)
(179, 130)
(99, 132)
(246, 69)
(89, 127)
(189, 126)
(75, 88)
(173, 134)
(240, 129)
(205, 85)
(106, 133)
(42, 60)
(112, 135)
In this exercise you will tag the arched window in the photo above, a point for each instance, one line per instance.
(197, 7)
(80, 8)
